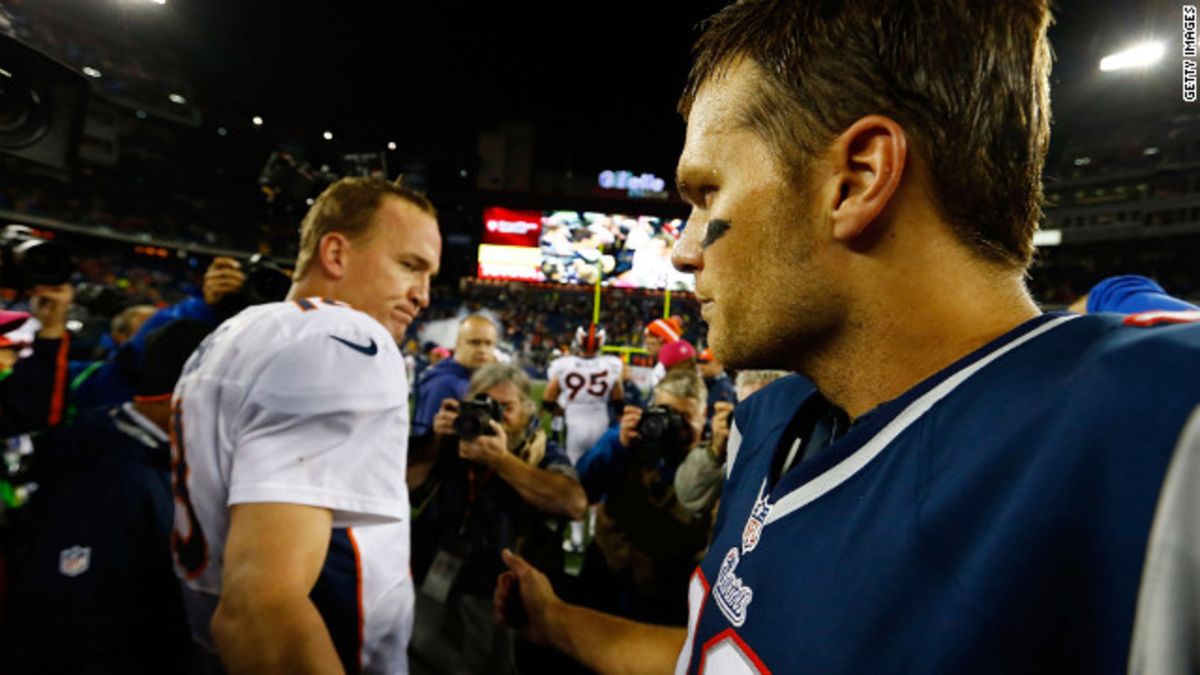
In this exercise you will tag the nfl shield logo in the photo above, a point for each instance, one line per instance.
(74, 561)
(756, 521)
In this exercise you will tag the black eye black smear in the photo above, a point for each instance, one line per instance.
(716, 230)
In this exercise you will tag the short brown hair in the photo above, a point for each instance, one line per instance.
(967, 79)
(348, 206)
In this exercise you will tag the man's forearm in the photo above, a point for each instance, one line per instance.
(285, 637)
(611, 645)
(547, 491)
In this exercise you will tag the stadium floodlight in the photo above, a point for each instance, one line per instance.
(90, 71)
(1138, 56)
(1083, 161)
(177, 98)
(159, 2)
(222, 131)
(328, 135)
(257, 120)
(1150, 151)
(391, 145)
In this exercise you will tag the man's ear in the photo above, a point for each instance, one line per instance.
(332, 251)
(867, 161)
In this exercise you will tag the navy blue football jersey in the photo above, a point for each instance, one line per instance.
(993, 519)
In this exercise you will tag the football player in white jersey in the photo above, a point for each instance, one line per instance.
(580, 386)
(290, 429)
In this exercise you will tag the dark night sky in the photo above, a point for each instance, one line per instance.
(598, 81)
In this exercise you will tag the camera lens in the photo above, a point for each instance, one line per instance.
(468, 426)
(24, 115)
(653, 426)
(42, 263)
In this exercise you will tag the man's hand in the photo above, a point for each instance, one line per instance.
(486, 450)
(223, 278)
(443, 421)
(722, 412)
(524, 599)
(49, 304)
(629, 422)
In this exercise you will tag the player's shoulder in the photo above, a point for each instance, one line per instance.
(772, 406)
(303, 329)
(563, 362)
(1166, 343)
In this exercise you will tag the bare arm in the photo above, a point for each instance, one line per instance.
(265, 622)
(547, 491)
(602, 642)
(550, 398)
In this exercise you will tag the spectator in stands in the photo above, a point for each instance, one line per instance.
(1129, 294)
(474, 348)
(96, 592)
(649, 541)
(478, 496)
(33, 393)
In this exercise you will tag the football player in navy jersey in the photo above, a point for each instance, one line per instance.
(959, 482)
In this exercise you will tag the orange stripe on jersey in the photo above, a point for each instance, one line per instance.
(358, 582)
(157, 398)
(1155, 318)
(305, 305)
(58, 400)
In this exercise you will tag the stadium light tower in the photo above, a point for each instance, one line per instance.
(1141, 55)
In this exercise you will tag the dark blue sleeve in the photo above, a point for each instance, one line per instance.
(433, 392)
(191, 308)
(601, 467)
(1130, 294)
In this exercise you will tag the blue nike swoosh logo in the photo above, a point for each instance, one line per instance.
(368, 349)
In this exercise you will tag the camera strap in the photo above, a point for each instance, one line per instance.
(475, 486)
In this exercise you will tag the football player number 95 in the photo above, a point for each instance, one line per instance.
(596, 384)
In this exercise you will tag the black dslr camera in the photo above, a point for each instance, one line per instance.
(474, 417)
(663, 434)
(27, 260)
(265, 282)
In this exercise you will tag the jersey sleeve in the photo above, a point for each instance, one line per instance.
(325, 424)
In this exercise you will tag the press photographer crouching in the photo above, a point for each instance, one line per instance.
(648, 540)
(497, 482)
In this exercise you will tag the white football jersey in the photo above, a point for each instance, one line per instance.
(301, 402)
(585, 388)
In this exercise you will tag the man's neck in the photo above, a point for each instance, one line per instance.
(311, 287)
(896, 344)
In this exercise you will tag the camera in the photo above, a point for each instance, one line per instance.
(663, 433)
(265, 282)
(27, 260)
(474, 417)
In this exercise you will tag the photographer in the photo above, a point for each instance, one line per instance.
(496, 482)
(648, 539)
(698, 480)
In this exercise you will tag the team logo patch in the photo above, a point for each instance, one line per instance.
(74, 561)
(757, 520)
(732, 596)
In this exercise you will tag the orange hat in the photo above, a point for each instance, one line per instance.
(706, 355)
(669, 330)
